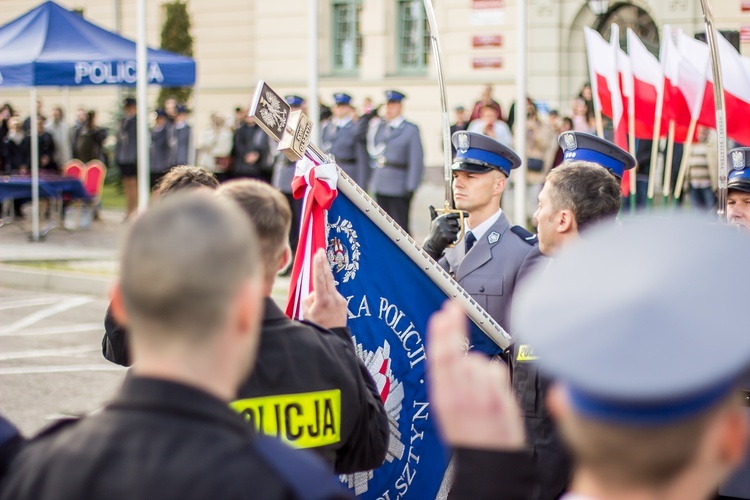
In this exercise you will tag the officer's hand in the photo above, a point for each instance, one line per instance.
(443, 231)
(325, 305)
(471, 395)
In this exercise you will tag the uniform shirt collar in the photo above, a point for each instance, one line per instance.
(341, 122)
(485, 226)
(396, 122)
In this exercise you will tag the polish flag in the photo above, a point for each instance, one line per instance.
(605, 84)
(648, 87)
(680, 82)
(695, 66)
(735, 71)
(625, 89)
(603, 74)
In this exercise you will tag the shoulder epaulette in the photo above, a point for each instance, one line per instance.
(525, 235)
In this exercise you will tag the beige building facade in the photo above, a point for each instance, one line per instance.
(368, 46)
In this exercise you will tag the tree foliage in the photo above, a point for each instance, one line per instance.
(176, 37)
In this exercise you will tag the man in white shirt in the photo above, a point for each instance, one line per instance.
(490, 124)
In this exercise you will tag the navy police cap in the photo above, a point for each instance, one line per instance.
(160, 113)
(340, 98)
(739, 175)
(294, 100)
(589, 147)
(394, 96)
(650, 344)
(479, 154)
(182, 109)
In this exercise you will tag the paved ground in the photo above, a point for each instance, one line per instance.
(50, 360)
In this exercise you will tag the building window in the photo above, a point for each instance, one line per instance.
(413, 37)
(347, 37)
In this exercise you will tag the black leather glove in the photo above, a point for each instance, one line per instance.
(443, 231)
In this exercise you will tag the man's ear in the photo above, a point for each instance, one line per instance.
(286, 258)
(566, 222)
(500, 184)
(557, 402)
(117, 305)
(248, 307)
(734, 436)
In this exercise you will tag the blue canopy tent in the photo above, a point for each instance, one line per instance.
(52, 46)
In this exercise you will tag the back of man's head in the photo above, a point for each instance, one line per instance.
(184, 177)
(590, 191)
(183, 263)
(270, 213)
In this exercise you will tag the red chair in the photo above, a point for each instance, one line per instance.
(93, 180)
(75, 169)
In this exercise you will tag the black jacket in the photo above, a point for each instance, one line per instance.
(553, 461)
(248, 139)
(492, 475)
(306, 364)
(157, 439)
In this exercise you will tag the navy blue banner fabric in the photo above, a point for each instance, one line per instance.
(390, 302)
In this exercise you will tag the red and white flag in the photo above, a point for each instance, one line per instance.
(679, 82)
(316, 185)
(735, 71)
(648, 87)
(695, 66)
(603, 74)
(625, 92)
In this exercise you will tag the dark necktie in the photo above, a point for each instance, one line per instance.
(470, 240)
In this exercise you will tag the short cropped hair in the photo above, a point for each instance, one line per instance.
(635, 455)
(269, 210)
(589, 190)
(183, 261)
(185, 177)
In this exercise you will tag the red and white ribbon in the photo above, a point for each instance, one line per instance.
(316, 185)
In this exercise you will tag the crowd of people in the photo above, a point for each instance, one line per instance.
(590, 405)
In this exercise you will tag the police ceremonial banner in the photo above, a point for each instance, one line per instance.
(392, 287)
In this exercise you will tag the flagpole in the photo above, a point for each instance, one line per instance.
(141, 61)
(667, 188)
(655, 144)
(520, 123)
(685, 163)
(599, 122)
(313, 105)
(721, 119)
(631, 147)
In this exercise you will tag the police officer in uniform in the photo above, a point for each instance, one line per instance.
(493, 255)
(283, 174)
(331, 405)
(576, 196)
(183, 137)
(339, 137)
(329, 402)
(163, 144)
(169, 432)
(397, 150)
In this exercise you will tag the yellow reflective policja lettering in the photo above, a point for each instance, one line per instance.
(305, 420)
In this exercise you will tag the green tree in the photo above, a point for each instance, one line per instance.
(176, 37)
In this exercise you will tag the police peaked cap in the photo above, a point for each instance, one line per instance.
(739, 173)
(588, 147)
(478, 153)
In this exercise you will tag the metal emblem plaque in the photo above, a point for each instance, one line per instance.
(294, 143)
(738, 160)
(571, 144)
(463, 142)
(270, 111)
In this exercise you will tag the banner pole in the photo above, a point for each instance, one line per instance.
(667, 188)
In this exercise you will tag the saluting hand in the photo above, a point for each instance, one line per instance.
(325, 305)
(471, 395)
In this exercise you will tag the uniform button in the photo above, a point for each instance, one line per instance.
(481, 289)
